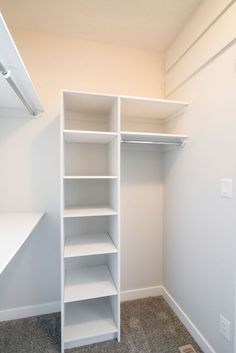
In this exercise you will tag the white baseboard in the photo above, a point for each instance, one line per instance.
(160, 290)
(47, 308)
(27, 311)
(192, 329)
(141, 293)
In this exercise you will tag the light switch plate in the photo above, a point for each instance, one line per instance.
(225, 327)
(226, 188)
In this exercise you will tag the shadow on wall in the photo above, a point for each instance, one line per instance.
(30, 153)
(140, 163)
(45, 167)
(20, 285)
(45, 191)
(10, 125)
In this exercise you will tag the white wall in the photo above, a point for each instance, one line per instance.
(29, 152)
(199, 237)
(209, 31)
(142, 218)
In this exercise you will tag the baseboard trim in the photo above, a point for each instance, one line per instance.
(192, 329)
(52, 307)
(27, 311)
(141, 293)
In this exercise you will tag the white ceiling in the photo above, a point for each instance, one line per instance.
(149, 24)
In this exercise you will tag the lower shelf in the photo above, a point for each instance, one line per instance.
(89, 244)
(87, 283)
(89, 212)
(87, 320)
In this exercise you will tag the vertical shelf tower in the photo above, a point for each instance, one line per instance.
(90, 203)
(90, 221)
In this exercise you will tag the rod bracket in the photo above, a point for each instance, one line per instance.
(183, 143)
(6, 74)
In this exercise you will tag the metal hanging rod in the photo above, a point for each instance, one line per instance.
(153, 142)
(7, 75)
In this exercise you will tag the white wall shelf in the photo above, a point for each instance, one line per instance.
(89, 212)
(84, 177)
(87, 320)
(77, 136)
(13, 73)
(156, 138)
(89, 244)
(160, 109)
(15, 228)
(88, 283)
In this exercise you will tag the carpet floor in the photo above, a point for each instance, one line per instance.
(148, 326)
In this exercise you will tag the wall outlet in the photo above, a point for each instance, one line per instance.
(225, 327)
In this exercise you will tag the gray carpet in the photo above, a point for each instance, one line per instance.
(148, 326)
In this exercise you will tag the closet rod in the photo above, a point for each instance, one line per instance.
(7, 75)
(153, 142)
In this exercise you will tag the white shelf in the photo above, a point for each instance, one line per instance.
(82, 136)
(88, 319)
(158, 138)
(84, 177)
(89, 212)
(89, 244)
(88, 283)
(11, 105)
(15, 228)
(135, 107)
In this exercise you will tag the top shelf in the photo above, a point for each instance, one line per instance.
(145, 108)
(110, 114)
(12, 69)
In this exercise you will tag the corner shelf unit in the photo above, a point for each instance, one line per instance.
(92, 129)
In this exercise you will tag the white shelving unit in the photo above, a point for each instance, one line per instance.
(90, 178)
(90, 206)
(15, 228)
